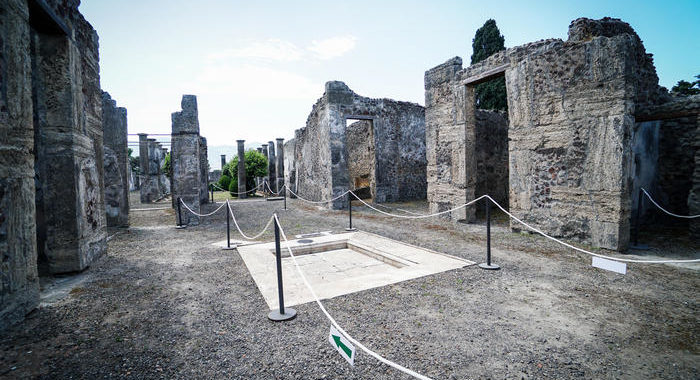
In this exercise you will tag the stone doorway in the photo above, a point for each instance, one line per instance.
(361, 156)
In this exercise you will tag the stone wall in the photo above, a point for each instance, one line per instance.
(492, 155)
(571, 107)
(694, 194)
(204, 169)
(116, 163)
(322, 155)
(290, 174)
(154, 184)
(19, 281)
(52, 212)
(185, 159)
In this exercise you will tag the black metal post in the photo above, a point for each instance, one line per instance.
(488, 264)
(282, 314)
(211, 188)
(285, 197)
(179, 214)
(350, 228)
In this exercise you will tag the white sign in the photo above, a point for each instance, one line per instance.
(611, 265)
(342, 345)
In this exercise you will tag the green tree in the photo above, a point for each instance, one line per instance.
(167, 168)
(133, 161)
(685, 88)
(488, 40)
(255, 166)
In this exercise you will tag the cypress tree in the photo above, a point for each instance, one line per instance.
(488, 40)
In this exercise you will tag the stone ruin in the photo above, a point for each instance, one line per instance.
(116, 163)
(52, 197)
(330, 157)
(153, 183)
(189, 160)
(587, 125)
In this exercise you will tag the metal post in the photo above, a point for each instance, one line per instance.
(637, 217)
(228, 229)
(488, 264)
(350, 214)
(179, 214)
(285, 197)
(282, 314)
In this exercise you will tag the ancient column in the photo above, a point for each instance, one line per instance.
(223, 161)
(267, 157)
(272, 163)
(204, 167)
(280, 164)
(116, 163)
(241, 169)
(186, 179)
(143, 167)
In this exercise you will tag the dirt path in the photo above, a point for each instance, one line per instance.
(165, 303)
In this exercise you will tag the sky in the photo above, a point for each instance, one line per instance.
(257, 67)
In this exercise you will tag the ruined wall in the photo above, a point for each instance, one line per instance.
(68, 143)
(399, 130)
(204, 171)
(272, 165)
(290, 174)
(19, 281)
(571, 108)
(360, 147)
(186, 181)
(492, 155)
(694, 194)
(153, 183)
(116, 162)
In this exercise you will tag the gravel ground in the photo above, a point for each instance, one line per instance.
(165, 303)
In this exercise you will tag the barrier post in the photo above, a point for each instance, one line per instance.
(211, 188)
(179, 214)
(282, 314)
(228, 228)
(637, 215)
(350, 214)
(284, 194)
(488, 265)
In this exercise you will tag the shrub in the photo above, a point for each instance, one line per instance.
(224, 182)
(255, 166)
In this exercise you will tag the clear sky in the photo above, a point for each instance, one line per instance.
(257, 67)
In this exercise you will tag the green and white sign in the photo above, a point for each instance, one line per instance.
(345, 348)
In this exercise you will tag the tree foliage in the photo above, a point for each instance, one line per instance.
(488, 40)
(133, 161)
(685, 88)
(167, 168)
(255, 166)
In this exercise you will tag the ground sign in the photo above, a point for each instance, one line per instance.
(611, 265)
(345, 348)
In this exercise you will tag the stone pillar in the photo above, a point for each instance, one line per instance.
(267, 157)
(116, 163)
(272, 163)
(223, 161)
(241, 169)
(469, 152)
(185, 158)
(143, 167)
(280, 164)
(204, 167)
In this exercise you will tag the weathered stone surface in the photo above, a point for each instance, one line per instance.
(492, 155)
(279, 168)
(154, 184)
(694, 195)
(116, 163)
(271, 166)
(204, 168)
(290, 174)
(571, 108)
(185, 159)
(321, 149)
(361, 163)
(19, 282)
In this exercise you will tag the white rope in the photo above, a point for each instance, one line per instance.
(583, 250)
(272, 192)
(417, 216)
(235, 223)
(200, 215)
(237, 193)
(317, 202)
(332, 320)
(218, 187)
(397, 209)
(668, 212)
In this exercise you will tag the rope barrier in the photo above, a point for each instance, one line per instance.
(241, 231)
(583, 250)
(317, 202)
(668, 212)
(417, 216)
(200, 215)
(333, 321)
(272, 192)
(238, 193)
